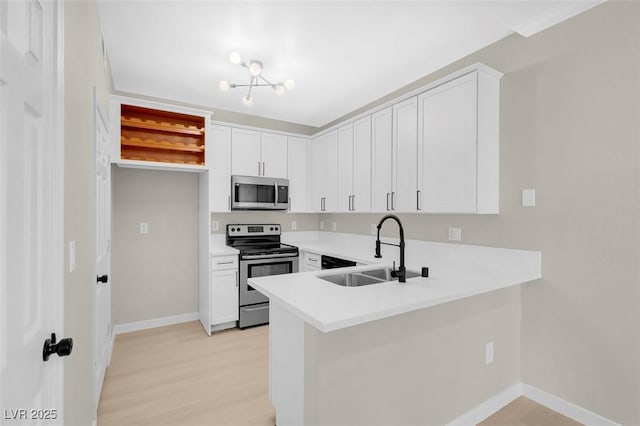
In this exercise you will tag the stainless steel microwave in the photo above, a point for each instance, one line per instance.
(259, 193)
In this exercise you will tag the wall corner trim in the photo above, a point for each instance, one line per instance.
(492, 405)
(488, 407)
(556, 15)
(156, 322)
(565, 408)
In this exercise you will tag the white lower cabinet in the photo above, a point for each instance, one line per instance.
(224, 292)
(310, 261)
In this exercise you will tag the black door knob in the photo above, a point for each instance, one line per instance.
(61, 348)
(102, 279)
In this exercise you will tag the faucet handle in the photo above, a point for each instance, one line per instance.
(394, 273)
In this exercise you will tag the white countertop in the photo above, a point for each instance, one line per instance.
(456, 271)
(219, 247)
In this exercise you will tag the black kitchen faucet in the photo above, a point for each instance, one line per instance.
(401, 273)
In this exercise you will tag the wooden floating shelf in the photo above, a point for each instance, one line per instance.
(155, 160)
(161, 126)
(159, 144)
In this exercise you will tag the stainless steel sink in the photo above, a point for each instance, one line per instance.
(385, 274)
(360, 278)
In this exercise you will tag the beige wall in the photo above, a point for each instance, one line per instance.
(156, 274)
(304, 221)
(83, 69)
(570, 104)
(426, 367)
(231, 117)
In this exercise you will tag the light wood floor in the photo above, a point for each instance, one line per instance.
(177, 375)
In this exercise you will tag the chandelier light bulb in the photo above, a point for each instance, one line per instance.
(248, 100)
(290, 84)
(235, 58)
(255, 67)
(279, 88)
(224, 85)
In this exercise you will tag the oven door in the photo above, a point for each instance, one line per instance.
(261, 268)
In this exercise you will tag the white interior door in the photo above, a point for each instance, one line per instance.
(31, 206)
(102, 287)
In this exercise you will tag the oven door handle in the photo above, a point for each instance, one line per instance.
(260, 308)
(270, 256)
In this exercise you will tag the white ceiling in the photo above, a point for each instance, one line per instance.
(341, 54)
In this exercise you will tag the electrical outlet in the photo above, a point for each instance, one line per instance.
(455, 234)
(321, 225)
(215, 225)
(72, 256)
(144, 228)
(374, 230)
(528, 198)
(333, 226)
(488, 353)
(294, 225)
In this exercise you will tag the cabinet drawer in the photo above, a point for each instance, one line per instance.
(313, 259)
(224, 262)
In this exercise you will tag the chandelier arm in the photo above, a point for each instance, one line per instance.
(266, 81)
(250, 86)
(233, 86)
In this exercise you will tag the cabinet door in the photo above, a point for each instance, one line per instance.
(274, 155)
(220, 169)
(382, 154)
(405, 166)
(318, 165)
(224, 296)
(448, 117)
(345, 168)
(362, 165)
(331, 189)
(245, 152)
(298, 191)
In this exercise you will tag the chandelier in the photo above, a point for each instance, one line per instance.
(256, 79)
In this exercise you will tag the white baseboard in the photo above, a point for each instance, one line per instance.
(488, 407)
(502, 399)
(156, 322)
(566, 408)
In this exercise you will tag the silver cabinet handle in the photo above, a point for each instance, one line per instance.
(393, 195)
(261, 308)
(289, 205)
(387, 201)
(263, 168)
(353, 202)
(225, 263)
(418, 200)
(259, 171)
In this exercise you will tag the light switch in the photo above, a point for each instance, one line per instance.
(294, 225)
(528, 197)
(214, 225)
(144, 228)
(455, 234)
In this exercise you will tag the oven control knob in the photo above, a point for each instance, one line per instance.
(233, 229)
(271, 229)
(276, 228)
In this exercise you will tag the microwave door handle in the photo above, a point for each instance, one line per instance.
(275, 187)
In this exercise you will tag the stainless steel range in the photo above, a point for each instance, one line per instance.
(261, 254)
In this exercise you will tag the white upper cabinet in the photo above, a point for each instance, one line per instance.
(298, 174)
(318, 175)
(331, 189)
(382, 154)
(219, 158)
(274, 155)
(361, 200)
(405, 156)
(258, 154)
(458, 134)
(345, 168)
(324, 173)
(354, 166)
(245, 153)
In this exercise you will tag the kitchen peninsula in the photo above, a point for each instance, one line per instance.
(389, 353)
